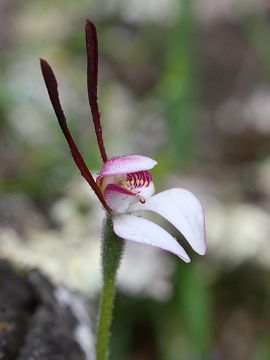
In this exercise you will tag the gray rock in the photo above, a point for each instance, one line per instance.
(39, 320)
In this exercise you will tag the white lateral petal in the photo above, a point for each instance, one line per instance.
(126, 164)
(147, 191)
(118, 198)
(183, 210)
(134, 228)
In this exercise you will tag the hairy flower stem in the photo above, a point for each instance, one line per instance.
(112, 249)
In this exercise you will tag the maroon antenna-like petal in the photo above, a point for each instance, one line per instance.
(52, 88)
(92, 76)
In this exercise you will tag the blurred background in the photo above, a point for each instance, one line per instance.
(185, 82)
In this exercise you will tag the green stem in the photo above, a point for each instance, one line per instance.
(112, 249)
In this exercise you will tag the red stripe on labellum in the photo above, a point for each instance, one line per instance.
(92, 78)
(137, 177)
(52, 87)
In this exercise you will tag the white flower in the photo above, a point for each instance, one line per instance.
(127, 188)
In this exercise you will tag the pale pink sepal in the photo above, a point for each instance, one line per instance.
(183, 210)
(126, 164)
(134, 228)
(118, 198)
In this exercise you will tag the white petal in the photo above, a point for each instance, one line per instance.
(145, 192)
(126, 164)
(183, 210)
(134, 228)
(118, 198)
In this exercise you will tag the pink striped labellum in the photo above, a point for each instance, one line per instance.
(124, 184)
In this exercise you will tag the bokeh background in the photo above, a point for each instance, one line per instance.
(185, 82)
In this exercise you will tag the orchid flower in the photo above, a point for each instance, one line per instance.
(124, 185)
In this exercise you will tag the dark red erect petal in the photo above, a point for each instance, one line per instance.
(52, 87)
(92, 78)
